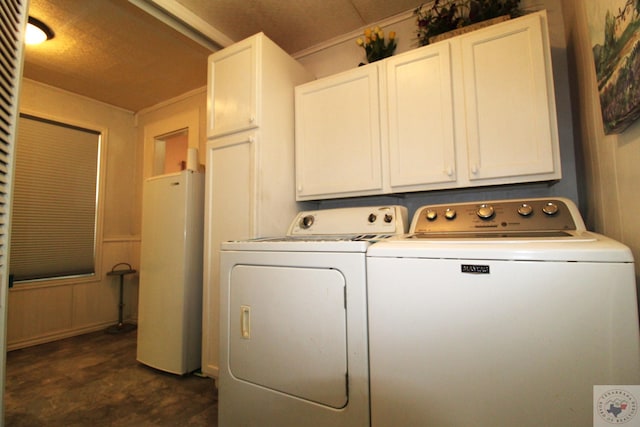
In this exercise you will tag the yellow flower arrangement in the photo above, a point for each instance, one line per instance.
(374, 44)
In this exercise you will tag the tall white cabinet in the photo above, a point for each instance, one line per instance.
(250, 189)
(477, 109)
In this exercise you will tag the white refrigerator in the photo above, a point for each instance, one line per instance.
(170, 294)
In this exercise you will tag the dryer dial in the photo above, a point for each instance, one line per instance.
(306, 221)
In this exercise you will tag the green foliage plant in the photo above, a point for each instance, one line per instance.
(442, 16)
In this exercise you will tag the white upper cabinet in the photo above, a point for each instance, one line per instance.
(477, 109)
(420, 113)
(509, 101)
(338, 146)
(233, 88)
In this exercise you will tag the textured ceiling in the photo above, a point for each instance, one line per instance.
(295, 24)
(114, 52)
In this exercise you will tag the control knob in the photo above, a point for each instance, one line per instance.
(450, 213)
(485, 211)
(388, 218)
(525, 210)
(306, 221)
(431, 214)
(550, 208)
(372, 218)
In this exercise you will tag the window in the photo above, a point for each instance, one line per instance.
(53, 232)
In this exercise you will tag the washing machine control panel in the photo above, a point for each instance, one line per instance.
(533, 215)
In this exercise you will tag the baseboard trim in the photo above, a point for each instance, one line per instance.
(58, 335)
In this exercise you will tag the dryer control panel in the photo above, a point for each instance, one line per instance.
(367, 220)
(502, 216)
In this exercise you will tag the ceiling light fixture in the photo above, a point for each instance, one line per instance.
(37, 32)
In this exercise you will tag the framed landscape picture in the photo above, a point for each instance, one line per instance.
(614, 28)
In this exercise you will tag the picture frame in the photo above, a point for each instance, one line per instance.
(614, 30)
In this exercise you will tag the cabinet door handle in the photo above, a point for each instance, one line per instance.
(245, 321)
(474, 169)
(449, 171)
(252, 119)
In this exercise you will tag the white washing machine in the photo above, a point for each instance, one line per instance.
(498, 314)
(293, 318)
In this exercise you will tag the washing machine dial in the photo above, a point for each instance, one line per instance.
(431, 215)
(525, 209)
(550, 208)
(450, 213)
(306, 221)
(485, 211)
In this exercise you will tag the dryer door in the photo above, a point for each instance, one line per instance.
(290, 331)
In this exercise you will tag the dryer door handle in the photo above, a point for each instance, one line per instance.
(245, 321)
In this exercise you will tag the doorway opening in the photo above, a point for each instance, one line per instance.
(171, 144)
(170, 152)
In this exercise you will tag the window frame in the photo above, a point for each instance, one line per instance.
(100, 199)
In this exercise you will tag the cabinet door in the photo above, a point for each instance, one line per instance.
(338, 136)
(233, 87)
(229, 215)
(421, 142)
(509, 101)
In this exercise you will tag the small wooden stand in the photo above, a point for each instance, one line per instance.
(121, 327)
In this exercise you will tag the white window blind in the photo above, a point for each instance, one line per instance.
(53, 232)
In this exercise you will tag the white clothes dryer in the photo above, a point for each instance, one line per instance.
(502, 313)
(294, 321)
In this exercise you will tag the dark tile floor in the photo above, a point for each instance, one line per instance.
(94, 380)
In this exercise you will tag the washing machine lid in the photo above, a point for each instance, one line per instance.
(539, 229)
(576, 246)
